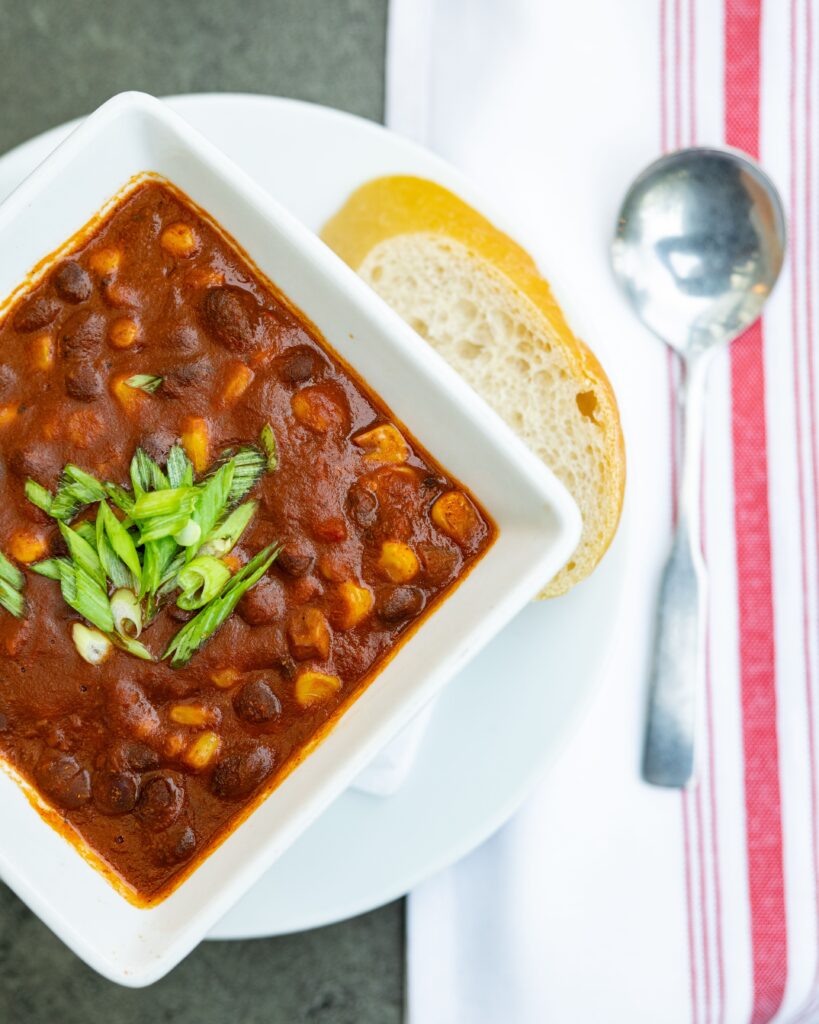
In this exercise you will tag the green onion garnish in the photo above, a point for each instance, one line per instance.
(144, 382)
(191, 637)
(201, 581)
(39, 496)
(271, 448)
(222, 539)
(11, 587)
(121, 540)
(10, 574)
(179, 468)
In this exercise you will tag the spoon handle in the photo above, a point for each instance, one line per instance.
(679, 646)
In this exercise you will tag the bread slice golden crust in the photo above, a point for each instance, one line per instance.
(479, 299)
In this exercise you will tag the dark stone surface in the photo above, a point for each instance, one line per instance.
(349, 973)
(58, 60)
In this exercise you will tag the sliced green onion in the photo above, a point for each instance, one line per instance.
(222, 539)
(83, 554)
(86, 530)
(120, 497)
(196, 632)
(127, 613)
(201, 581)
(146, 474)
(38, 495)
(86, 486)
(10, 573)
(270, 447)
(115, 569)
(212, 502)
(162, 503)
(134, 647)
(189, 536)
(86, 596)
(76, 489)
(156, 557)
(179, 468)
(12, 600)
(51, 568)
(92, 646)
(144, 382)
(250, 463)
(121, 542)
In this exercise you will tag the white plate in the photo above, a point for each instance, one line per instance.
(500, 723)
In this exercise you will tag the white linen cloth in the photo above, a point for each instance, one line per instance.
(606, 900)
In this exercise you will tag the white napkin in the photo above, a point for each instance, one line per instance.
(606, 900)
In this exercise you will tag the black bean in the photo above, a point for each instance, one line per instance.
(179, 614)
(182, 846)
(263, 604)
(363, 506)
(61, 777)
(41, 462)
(396, 604)
(231, 316)
(184, 339)
(35, 314)
(181, 380)
(238, 774)
(295, 563)
(83, 336)
(84, 382)
(257, 703)
(298, 365)
(161, 801)
(8, 382)
(139, 757)
(72, 282)
(114, 792)
(157, 444)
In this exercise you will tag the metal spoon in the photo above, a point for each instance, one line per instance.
(699, 245)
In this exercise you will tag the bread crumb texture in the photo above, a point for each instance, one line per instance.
(478, 299)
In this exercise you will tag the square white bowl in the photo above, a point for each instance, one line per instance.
(539, 526)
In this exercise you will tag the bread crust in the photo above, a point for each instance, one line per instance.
(401, 205)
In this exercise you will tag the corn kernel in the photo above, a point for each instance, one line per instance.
(190, 714)
(383, 444)
(233, 562)
(237, 381)
(455, 514)
(123, 332)
(196, 442)
(179, 240)
(26, 546)
(203, 750)
(356, 604)
(398, 561)
(204, 277)
(315, 408)
(225, 678)
(105, 261)
(42, 352)
(8, 413)
(130, 398)
(316, 687)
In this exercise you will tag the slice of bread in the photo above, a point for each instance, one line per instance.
(478, 298)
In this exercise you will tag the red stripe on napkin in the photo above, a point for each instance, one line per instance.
(756, 624)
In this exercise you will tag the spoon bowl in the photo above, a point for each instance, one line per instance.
(699, 245)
